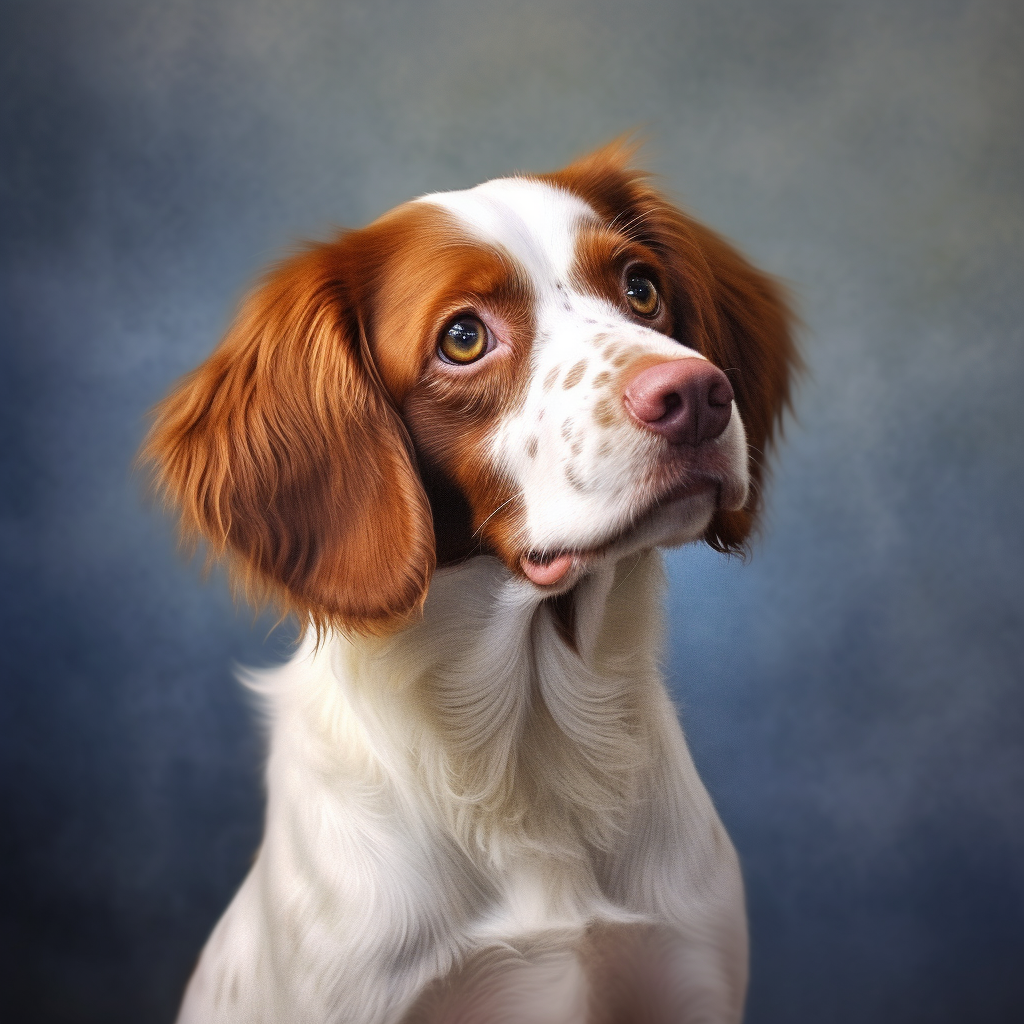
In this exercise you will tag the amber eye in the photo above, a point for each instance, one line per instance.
(464, 340)
(642, 295)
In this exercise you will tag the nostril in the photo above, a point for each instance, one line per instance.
(721, 392)
(672, 402)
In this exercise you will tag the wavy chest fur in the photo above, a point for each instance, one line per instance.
(483, 718)
(473, 780)
(477, 749)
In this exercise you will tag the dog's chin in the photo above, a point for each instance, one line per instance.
(676, 520)
(679, 522)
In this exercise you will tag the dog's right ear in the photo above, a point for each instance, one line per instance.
(285, 454)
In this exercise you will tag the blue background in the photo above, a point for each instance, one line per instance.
(853, 695)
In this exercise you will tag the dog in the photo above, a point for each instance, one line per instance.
(451, 444)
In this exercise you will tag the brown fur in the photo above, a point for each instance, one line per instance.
(283, 453)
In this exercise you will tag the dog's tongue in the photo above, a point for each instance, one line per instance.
(544, 574)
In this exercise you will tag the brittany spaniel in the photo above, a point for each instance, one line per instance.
(451, 444)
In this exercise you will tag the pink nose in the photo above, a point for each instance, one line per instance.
(687, 401)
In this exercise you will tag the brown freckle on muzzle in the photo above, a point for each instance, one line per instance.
(549, 380)
(575, 375)
(531, 448)
(567, 429)
(602, 378)
(574, 480)
(604, 413)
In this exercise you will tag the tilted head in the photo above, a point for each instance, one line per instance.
(555, 369)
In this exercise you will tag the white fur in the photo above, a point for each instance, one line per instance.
(534, 222)
(474, 780)
(402, 822)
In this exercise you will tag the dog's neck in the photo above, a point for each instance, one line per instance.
(520, 735)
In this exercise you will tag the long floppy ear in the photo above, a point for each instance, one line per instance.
(722, 306)
(283, 452)
(746, 328)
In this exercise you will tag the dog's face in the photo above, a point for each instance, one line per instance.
(555, 370)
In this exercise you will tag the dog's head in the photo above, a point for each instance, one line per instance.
(554, 370)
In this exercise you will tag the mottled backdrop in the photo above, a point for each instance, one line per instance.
(853, 694)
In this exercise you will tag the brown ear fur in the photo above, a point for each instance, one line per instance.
(284, 453)
(724, 307)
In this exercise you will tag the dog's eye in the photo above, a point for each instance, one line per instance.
(641, 295)
(464, 340)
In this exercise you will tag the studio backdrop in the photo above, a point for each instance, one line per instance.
(853, 693)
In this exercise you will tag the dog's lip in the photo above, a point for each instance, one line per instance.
(550, 567)
(546, 570)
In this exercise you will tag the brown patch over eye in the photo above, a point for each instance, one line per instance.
(617, 266)
(435, 274)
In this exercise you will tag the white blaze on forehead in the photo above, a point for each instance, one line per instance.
(534, 222)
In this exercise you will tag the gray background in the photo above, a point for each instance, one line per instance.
(853, 694)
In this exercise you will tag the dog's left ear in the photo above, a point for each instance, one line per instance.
(285, 454)
(722, 306)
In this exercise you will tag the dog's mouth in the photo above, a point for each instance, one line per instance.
(550, 567)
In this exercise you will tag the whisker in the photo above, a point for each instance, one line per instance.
(611, 223)
(628, 574)
(492, 515)
(634, 221)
